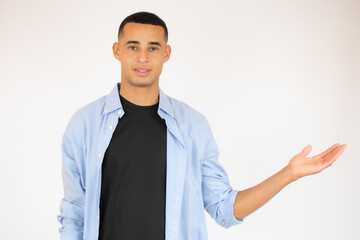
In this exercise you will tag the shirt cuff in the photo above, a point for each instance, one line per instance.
(229, 210)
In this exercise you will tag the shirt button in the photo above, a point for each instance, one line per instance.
(97, 217)
(119, 112)
(106, 110)
(173, 115)
(97, 185)
(110, 126)
(100, 154)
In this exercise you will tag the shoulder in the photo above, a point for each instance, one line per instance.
(194, 127)
(86, 115)
(188, 118)
(184, 111)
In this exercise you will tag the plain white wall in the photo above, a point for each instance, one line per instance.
(271, 77)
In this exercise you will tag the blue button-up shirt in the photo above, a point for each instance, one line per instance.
(195, 180)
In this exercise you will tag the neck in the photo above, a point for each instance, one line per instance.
(142, 96)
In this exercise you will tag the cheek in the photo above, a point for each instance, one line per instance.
(157, 62)
(127, 62)
(127, 56)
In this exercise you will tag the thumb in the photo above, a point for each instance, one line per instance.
(306, 151)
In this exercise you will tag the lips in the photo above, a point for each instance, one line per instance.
(142, 71)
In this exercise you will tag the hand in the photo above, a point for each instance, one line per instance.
(301, 166)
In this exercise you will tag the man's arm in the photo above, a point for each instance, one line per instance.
(251, 199)
(72, 205)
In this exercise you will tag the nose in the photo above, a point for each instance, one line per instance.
(143, 56)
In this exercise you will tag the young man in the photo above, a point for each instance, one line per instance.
(138, 164)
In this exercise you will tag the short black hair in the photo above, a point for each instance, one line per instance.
(144, 18)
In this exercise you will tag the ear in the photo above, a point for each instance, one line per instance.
(115, 49)
(167, 53)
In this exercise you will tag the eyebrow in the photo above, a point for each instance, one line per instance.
(155, 43)
(137, 42)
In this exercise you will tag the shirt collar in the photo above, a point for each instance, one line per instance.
(113, 101)
(164, 103)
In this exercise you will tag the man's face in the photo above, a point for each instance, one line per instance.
(142, 51)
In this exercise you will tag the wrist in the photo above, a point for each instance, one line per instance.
(289, 174)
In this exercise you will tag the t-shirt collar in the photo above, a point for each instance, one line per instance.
(113, 102)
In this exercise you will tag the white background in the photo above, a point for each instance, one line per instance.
(271, 77)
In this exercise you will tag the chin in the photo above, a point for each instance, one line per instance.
(143, 83)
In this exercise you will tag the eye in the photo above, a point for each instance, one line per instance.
(154, 49)
(132, 48)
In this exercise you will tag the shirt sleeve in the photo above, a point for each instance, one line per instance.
(218, 195)
(72, 205)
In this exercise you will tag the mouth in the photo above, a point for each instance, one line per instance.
(142, 72)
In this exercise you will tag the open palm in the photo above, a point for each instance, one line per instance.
(301, 165)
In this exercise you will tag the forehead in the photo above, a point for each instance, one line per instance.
(142, 32)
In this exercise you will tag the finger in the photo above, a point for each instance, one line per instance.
(331, 157)
(306, 150)
(329, 150)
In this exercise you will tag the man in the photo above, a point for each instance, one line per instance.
(138, 164)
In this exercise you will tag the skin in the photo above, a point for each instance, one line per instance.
(141, 46)
(144, 46)
(251, 199)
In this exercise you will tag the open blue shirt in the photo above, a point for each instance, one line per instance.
(194, 179)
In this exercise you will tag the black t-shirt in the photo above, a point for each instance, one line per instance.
(132, 202)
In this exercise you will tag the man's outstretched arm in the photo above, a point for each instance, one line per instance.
(251, 199)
